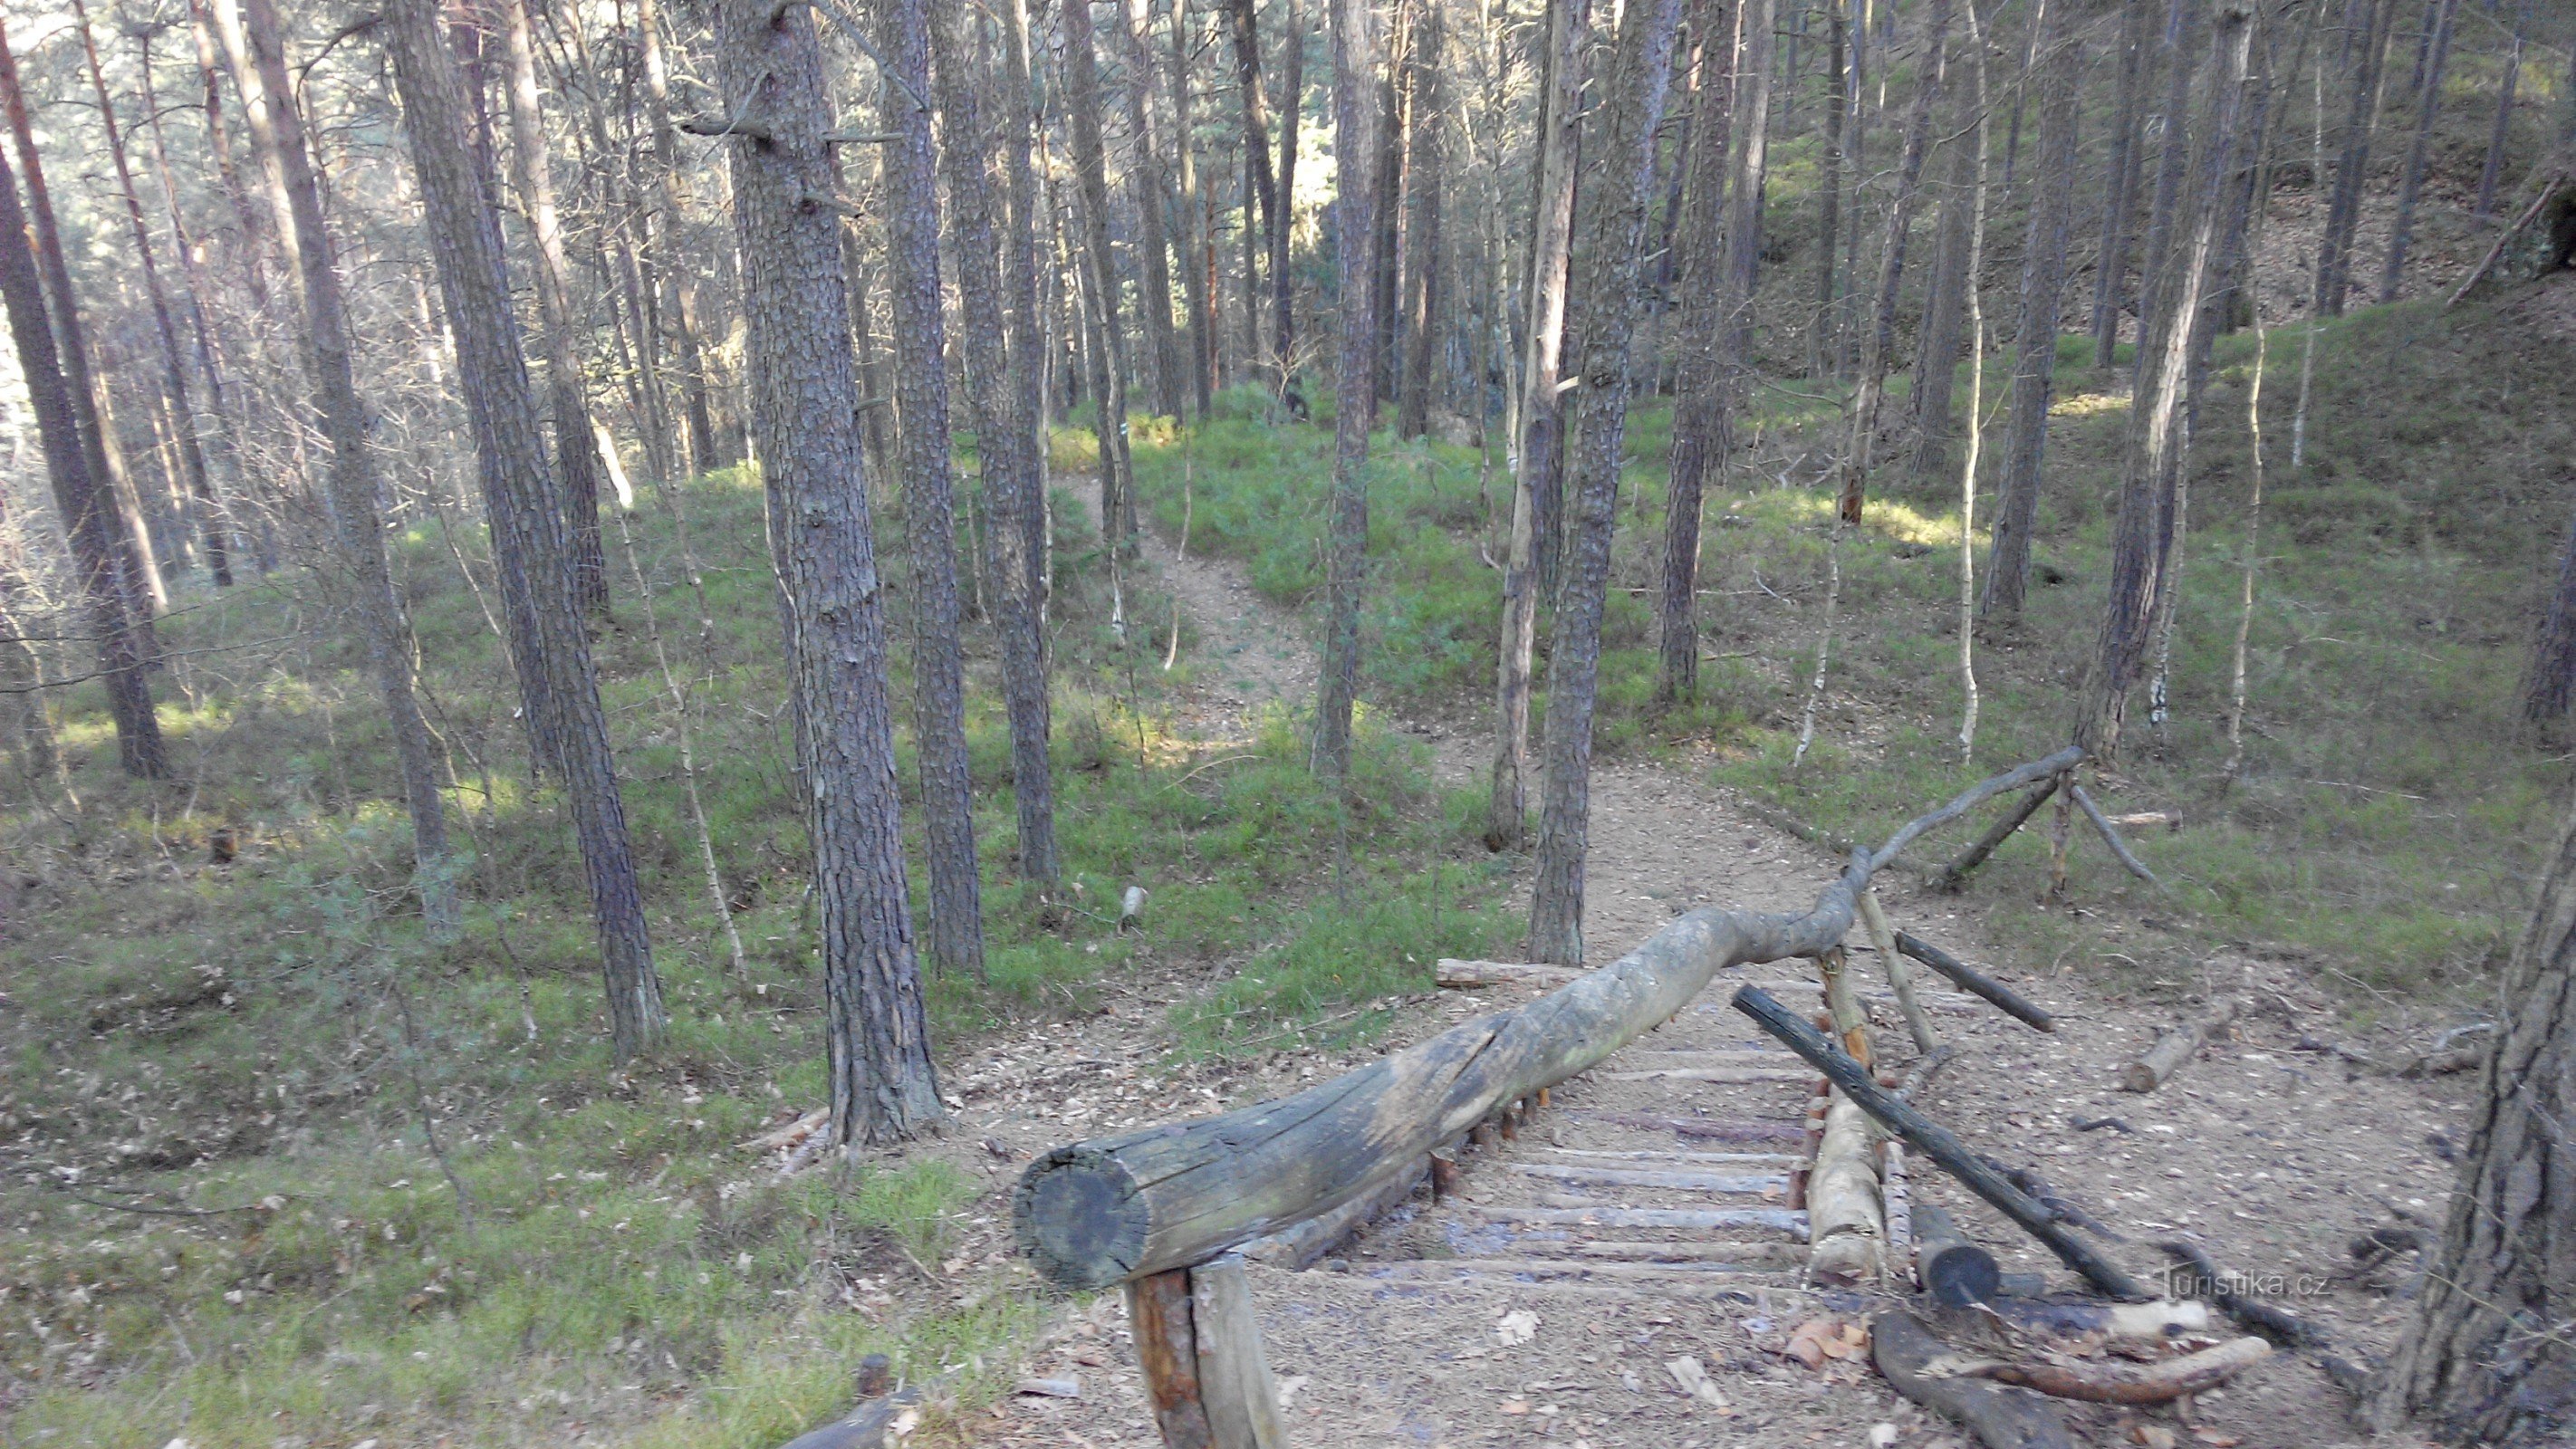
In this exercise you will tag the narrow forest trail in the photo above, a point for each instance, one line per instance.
(1415, 1335)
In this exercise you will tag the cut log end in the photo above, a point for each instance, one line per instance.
(1080, 1218)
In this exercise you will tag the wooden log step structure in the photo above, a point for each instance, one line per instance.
(1164, 1211)
(1697, 1129)
(1746, 1159)
(1679, 1181)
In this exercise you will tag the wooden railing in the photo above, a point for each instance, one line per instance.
(1169, 1212)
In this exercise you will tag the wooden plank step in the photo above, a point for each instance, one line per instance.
(1698, 1250)
(1745, 1159)
(1731, 1076)
(1709, 1129)
(1596, 1271)
(1653, 1177)
(1747, 1287)
(1792, 1221)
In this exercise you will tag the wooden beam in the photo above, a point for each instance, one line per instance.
(1937, 1143)
(1158, 1317)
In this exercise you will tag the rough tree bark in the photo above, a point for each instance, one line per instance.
(929, 507)
(1246, 34)
(122, 652)
(2352, 166)
(1153, 215)
(1613, 230)
(704, 449)
(1535, 453)
(1005, 441)
(1945, 285)
(1099, 275)
(277, 134)
(128, 537)
(525, 518)
(1706, 316)
(805, 403)
(2486, 1356)
(2043, 279)
(2120, 183)
(1027, 316)
(2142, 536)
(1829, 186)
(1356, 123)
(1196, 242)
(1425, 143)
(577, 467)
(1283, 217)
(2428, 106)
(174, 373)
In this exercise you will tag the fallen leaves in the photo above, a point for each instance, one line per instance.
(1821, 1340)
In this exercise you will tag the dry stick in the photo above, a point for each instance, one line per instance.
(2011, 1002)
(1882, 936)
(1935, 1142)
(1955, 874)
(2547, 182)
(1976, 414)
(688, 752)
(2110, 835)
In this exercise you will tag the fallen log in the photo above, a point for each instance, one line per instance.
(2132, 1384)
(1953, 1270)
(2001, 1418)
(1105, 1211)
(2012, 1003)
(1937, 1143)
(2110, 834)
(1307, 1242)
(1845, 1217)
(2178, 1046)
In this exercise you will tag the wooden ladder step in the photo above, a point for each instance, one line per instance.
(1654, 1177)
(1742, 1159)
(1788, 1220)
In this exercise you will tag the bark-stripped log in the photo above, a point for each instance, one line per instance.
(1955, 1271)
(2124, 1383)
(2013, 1003)
(1844, 1215)
(1937, 1143)
(2176, 1047)
(1095, 1213)
(2000, 1417)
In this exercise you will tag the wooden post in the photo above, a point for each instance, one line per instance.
(1234, 1375)
(1158, 1316)
(1200, 1348)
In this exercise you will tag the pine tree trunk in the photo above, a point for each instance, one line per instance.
(577, 467)
(277, 135)
(1283, 217)
(123, 654)
(705, 449)
(2352, 166)
(2502, 131)
(1357, 97)
(174, 373)
(2120, 184)
(929, 507)
(1027, 316)
(2485, 1356)
(1706, 314)
(1005, 444)
(1945, 284)
(525, 517)
(1881, 337)
(1153, 214)
(1829, 188)
(1099, 276)
(129, 536)
(1534, 485)
(1194, 243)
(2043, 280)
(2143, 535)
(2428, 106)
(2172, 161)
(1246, 34)
(1425, 154)
(883, 1086)
(1613, 232)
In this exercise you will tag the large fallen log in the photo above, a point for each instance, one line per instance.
(1095, 1213)
(1937, 1143)
(2011, 1002)
(2177, 1046)
(2000, 1417)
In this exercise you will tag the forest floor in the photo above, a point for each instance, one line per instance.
(2269, 1153)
